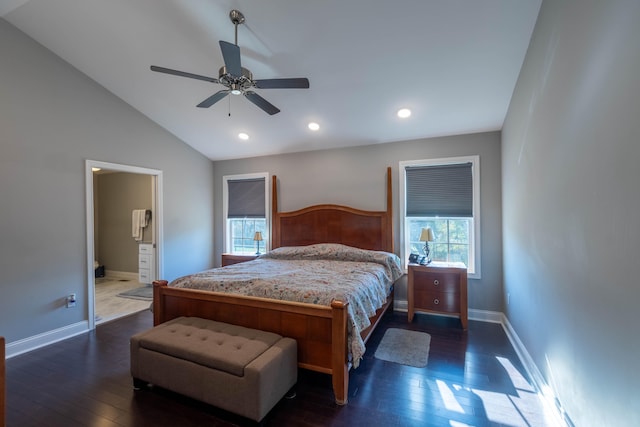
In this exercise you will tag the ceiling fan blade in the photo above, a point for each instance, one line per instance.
(231, 55)
(261, 102)
(183, 74)
(297, 83)
(213, 99)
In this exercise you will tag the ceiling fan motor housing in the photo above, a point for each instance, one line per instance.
(243, 82)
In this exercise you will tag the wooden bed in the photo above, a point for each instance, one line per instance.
(321, 331)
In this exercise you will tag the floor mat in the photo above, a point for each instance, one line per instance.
(143, 293)
(405, 347)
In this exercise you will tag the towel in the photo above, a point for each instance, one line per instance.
(138, 223)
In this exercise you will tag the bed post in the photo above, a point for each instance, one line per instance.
(339, 362)
(390, 243)
(275, 223)
(158, 305)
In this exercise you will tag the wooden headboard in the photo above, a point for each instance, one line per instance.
(371, 230)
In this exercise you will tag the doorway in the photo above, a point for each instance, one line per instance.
(106, 283)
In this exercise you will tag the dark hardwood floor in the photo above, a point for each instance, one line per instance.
(473, 378)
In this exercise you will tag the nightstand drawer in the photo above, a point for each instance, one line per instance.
(448, 302)
(442, 282)
(144, 261)
(145, 248)
(144, 275)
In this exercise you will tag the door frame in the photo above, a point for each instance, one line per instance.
(156, 202)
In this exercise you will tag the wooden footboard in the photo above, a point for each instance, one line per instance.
(320, 331)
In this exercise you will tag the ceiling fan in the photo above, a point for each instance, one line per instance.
(237, 79)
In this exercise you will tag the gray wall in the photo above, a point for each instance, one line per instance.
(53, 118)
(118, 194)
(570, 206)
(356, 177)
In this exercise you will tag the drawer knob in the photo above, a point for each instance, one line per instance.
(436, 282)
(436, 301)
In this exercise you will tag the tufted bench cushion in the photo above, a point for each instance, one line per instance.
(241, 370)
(217, 345)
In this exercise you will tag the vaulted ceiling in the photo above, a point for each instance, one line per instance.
(454, 63)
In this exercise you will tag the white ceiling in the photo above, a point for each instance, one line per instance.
(454, 63)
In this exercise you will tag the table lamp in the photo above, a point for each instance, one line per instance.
(426, 236)
(258, 238)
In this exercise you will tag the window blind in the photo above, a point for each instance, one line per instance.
(439, 190)
(246, 198)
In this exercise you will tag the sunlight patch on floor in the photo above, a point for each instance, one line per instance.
(448, 398)
(519, 406)
(517, 379)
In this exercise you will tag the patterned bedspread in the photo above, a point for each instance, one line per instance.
(315, 274)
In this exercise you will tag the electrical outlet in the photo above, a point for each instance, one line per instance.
(71, 300)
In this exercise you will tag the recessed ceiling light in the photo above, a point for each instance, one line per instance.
(314, 126)
(403, 113)
(96, 169)
(243, 136)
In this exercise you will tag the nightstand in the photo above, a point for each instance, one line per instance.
(438, 287)
(228, 259)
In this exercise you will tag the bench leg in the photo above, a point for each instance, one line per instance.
(291, 394)
(139, 384)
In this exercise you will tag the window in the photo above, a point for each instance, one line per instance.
(443, 194)
(245, 210)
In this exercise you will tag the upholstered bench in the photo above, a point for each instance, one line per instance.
(241, 370)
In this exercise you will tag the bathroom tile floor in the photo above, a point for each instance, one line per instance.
(109, 306)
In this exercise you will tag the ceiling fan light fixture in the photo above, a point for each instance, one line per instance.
(403, 113)
(314, 126)
(235, 90)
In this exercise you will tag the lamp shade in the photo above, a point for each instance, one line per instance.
(426, 235)
(258, 236)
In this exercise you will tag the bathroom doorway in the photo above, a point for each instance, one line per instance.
(118, 285)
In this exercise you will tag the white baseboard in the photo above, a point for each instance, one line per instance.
(400, 305)
(37, 341)
(485, 315)
(523, 354)
(546, 393)
(121, 275)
